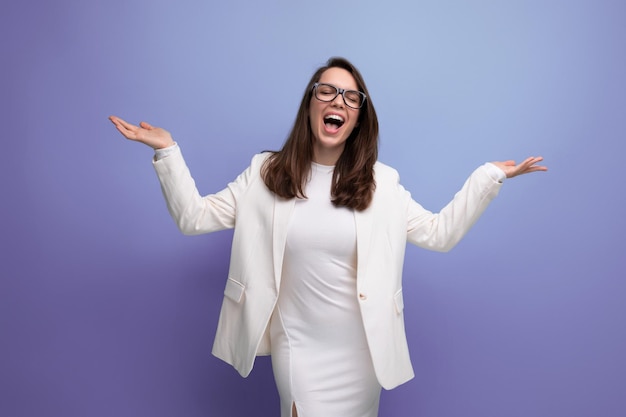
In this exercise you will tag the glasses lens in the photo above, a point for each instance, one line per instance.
(353, 98)
(326, 92)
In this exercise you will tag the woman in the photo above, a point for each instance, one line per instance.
(318, 248)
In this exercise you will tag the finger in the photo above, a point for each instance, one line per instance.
(115, 121)
(528, 162)
(129, 131)
(534, 161)
(128, 126)
(146, 125)
(536, 168)
(533, 167)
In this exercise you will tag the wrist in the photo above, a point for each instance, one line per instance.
(164, 145)
(495, 172)
(165, 152)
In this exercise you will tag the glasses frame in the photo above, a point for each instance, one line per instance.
(339, 91)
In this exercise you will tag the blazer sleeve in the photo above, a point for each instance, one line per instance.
(195, 214)
(442, 231)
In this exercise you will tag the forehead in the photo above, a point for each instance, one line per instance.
(339, 77)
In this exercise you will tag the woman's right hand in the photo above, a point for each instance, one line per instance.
(155, 137)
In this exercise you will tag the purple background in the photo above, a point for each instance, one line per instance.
(107, 310)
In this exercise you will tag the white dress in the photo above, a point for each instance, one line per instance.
(320, 356)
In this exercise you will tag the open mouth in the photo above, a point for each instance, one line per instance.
(333, 121)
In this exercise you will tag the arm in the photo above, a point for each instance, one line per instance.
(192, 213)
(195, 214)
(442, 231)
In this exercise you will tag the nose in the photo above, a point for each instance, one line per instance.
(338, 101)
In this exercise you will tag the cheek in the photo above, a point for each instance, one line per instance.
(355, 120)
(312, 115)
(314, 110)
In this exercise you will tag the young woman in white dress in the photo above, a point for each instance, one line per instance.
(323, 226)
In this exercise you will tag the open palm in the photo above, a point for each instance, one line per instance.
(155, 137)
(527, 166)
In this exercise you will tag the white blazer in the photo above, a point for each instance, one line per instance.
(260, 220)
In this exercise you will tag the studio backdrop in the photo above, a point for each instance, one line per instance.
(107, 310)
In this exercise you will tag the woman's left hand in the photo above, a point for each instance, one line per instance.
(529, 165)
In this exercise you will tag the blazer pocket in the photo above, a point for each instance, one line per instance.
(234, 290)
(398, 301)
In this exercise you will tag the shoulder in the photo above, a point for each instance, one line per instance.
(258, 160)
(388, 193)
(384, 173)
(252, 173)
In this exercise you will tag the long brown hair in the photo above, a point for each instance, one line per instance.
(285, 172)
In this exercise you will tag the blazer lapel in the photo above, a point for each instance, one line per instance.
(282, 213)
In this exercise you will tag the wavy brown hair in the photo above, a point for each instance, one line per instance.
(285, 172)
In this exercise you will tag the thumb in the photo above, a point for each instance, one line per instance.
(146, 125)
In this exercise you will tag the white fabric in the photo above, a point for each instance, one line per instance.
(494, 172)
(165, 152)
(261, 220)
(320, 355)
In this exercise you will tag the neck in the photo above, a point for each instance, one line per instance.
(327, 157)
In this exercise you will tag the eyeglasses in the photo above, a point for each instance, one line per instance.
(328, 92)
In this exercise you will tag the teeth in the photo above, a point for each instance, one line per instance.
(334, 117)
